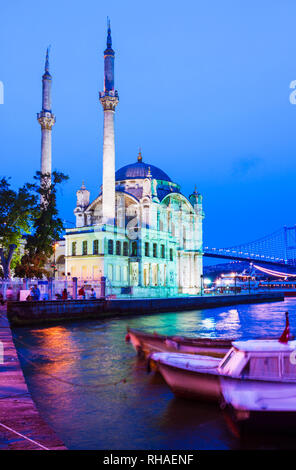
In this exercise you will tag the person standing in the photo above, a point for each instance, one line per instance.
(64, 294)
(37, 293)
(92, 294)
(81, 293)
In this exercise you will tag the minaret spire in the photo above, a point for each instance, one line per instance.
(46, 119)
(109, 100)
(109, 38)
(46, 68)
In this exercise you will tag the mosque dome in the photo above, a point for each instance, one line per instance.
(140, 170)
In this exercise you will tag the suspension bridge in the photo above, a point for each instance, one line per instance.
(278, 249)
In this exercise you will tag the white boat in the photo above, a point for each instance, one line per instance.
(261, 365)
(266, 395)
(190, 375)
(269, 409)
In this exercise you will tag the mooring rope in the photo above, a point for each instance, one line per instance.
(24, 437)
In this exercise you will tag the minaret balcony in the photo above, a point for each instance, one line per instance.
(45, 114)
(111, 93)
(46, 119)
(109, 100)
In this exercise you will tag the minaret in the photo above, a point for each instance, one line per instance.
(109, 100)
(46, 120)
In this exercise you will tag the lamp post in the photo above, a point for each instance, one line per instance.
(54, 259)
(201, 284)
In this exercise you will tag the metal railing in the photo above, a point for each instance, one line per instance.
(53, 289)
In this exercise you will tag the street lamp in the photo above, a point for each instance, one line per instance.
(201, 284)
(54, 259)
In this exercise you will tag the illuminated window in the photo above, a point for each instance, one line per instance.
(84, 247)
(96, 247)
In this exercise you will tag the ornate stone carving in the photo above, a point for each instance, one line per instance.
(46, 120)
(147, 187)
(109, 102)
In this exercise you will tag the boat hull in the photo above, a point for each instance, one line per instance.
(147, 343)
(290, 293)
(191, 384)
(250, 405)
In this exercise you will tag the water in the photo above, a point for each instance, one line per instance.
(89, 386)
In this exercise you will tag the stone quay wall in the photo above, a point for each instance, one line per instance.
(39, 312)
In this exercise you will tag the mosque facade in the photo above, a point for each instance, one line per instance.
(140, 233)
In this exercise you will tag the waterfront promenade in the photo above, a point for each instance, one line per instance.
(21, 426)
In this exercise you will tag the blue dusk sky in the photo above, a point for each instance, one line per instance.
(204, 90)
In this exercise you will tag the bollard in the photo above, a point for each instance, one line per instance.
(74, 292)
(50, 293)
(103, 287)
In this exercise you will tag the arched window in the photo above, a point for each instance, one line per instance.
(118, 248)
(110, 247)
(134, 249)
(84, 247)
(96, 247)
(125, 248)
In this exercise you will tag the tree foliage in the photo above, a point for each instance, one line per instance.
(46, 227)
(17, 211)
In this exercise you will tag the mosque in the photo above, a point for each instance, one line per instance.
(140, 233)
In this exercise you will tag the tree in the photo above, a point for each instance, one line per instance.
(46, 228)
(17, 210)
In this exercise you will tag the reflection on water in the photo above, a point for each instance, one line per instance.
(94, 392)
